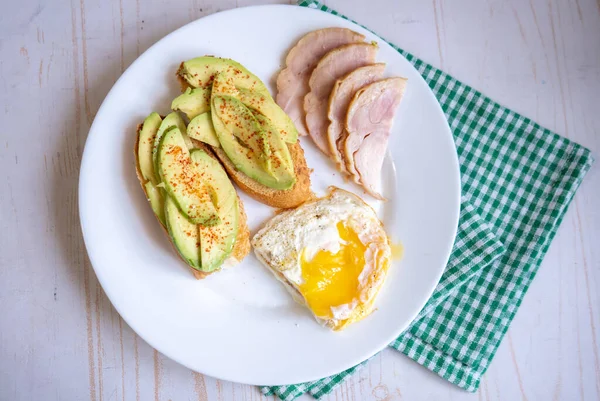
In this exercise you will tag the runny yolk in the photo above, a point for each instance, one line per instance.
(332, 279)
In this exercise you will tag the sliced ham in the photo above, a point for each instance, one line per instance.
(340, 97)
(331, 67)
(368, 124)
(292, 81)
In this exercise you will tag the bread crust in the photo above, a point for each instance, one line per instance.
(241, 247)
(278, 198)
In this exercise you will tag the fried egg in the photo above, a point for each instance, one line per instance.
(331, 253)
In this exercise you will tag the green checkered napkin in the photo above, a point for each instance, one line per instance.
(517, 180)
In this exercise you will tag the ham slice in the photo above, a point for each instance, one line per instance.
(333, 66)
(292, 81)
(368, 124)
(340, 97)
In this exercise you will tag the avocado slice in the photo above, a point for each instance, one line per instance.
(232, 117)
(244, 142)
(200, 72)
(183, 182)
(192, 102)
(223, 85)
(266, 106)
(282, 165)
(184, 234)
(239, 122)
(171, 120)
(217, 242)
(145, 144)
(201, 128)
(157, 201)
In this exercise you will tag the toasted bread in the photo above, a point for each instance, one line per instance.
(285, 199)
(241, 247)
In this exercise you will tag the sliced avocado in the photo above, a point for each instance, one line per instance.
(201, 128)
(187, 140)
(183, 182)
(282, 166)
(157, 201)
(239, 122)
(223, 85)
(184, 234)
(192, 102)
(145, 144)
(199, 73)
(266, 106)
(236, 127)
(171, 120)
(216, 243)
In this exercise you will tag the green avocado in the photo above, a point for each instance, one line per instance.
(183, 182)
(192, 102)
(240, 127)
(246, 143)
(184, 234)
(200, 72)
(266, 106)
(157, 201)
(282, 165)
(223, 85)
(145, 144)
(237, 119)
(217, 242)
(201, 128)
(171, 120)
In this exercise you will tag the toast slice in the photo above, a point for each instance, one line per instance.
(241, 247)
(278, 198)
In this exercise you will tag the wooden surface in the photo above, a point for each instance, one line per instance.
(60, 338)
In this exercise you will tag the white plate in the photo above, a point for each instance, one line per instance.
(240, 324)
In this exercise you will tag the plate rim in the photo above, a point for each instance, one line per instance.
(84, 167)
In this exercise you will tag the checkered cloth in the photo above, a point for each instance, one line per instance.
(517, 180)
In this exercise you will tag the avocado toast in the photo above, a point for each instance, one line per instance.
(231, 110)
(190, 195)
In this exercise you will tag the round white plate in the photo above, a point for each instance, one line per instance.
(240, 324)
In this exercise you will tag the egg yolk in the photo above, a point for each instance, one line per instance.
(332, 279)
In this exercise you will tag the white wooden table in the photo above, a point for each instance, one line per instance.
(60, 338)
